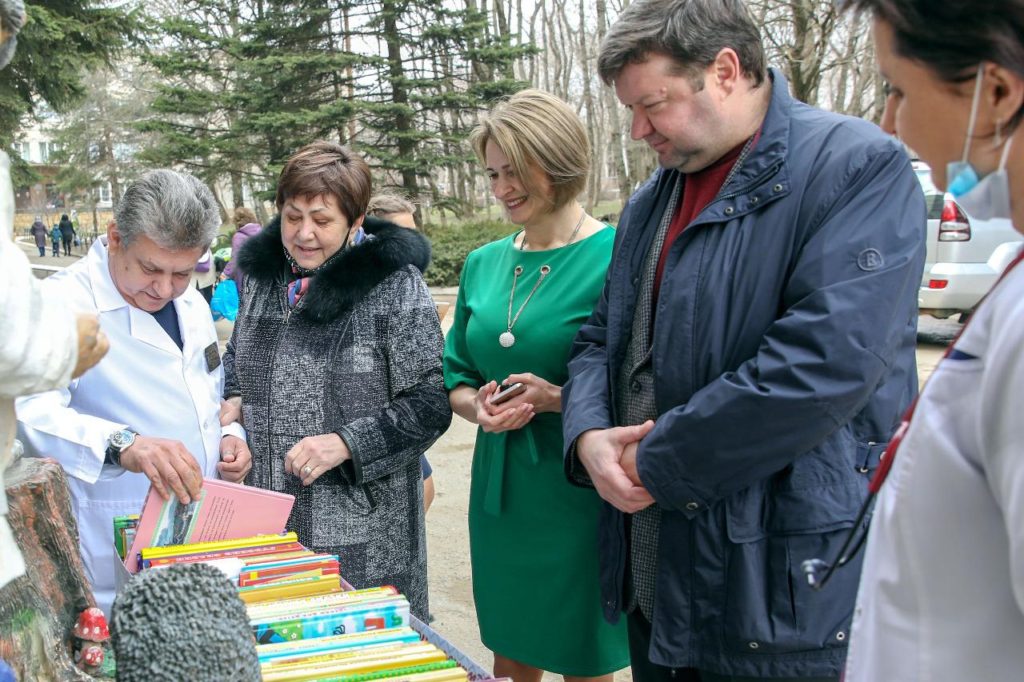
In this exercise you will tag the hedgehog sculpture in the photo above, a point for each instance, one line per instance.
(185, 622)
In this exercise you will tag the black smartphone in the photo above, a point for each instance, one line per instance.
(507, 392)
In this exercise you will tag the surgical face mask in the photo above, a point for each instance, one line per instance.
(990, 196)
(982, 198)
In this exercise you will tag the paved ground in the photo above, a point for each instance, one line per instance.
(451, 595)
(28, 245)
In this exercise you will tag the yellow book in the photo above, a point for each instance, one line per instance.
(365, 651)
(302, 605)
(327, 584)
(217, 545)
(358, 665)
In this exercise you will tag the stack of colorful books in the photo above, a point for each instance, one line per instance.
(306, 625)
(264, 567)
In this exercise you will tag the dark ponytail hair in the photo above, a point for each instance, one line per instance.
(951, 37)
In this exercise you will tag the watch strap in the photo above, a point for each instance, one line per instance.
(112, 456)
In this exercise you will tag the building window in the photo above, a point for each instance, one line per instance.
(104, 193)
(46, 149)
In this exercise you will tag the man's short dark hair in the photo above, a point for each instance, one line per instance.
(690, 32)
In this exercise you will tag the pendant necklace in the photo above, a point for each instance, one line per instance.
(507, 338)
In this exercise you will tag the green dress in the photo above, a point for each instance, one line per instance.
(533, 535)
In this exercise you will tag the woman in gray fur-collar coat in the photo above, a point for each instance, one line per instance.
(335, 361)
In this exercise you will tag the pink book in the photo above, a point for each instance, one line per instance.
(224, 511)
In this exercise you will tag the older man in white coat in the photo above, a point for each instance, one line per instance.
(40, 347)
(148, 413)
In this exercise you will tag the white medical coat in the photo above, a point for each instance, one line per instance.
(145, 383)
(941, 594)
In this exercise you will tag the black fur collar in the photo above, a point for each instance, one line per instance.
(344, 282)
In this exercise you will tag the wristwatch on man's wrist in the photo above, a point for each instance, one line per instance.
(118, 442)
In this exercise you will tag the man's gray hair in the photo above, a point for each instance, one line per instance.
(174, 209)
(690, 32)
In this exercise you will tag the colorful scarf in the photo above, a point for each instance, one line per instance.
(297, 289)
(300, 285)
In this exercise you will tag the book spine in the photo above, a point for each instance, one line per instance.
(223, 554)
(301, 648)
(218, 545)
(325, 625)
(302, 604)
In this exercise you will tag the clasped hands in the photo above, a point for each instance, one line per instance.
(609, 456)
(516, 412)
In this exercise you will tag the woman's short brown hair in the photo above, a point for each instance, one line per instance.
(535, 128)
(243, 216)
(325, 168)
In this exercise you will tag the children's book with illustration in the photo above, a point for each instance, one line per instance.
(224, 511)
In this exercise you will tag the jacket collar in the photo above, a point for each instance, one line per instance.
(346, 280)
(103, 290)
(773, 145)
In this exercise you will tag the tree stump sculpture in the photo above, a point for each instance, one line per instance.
(38, 610)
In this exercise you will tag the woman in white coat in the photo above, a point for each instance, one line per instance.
(942, 590)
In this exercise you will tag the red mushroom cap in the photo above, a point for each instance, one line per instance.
(92, 626)
(93, 656)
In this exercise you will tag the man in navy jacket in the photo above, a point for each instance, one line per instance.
(750, 356)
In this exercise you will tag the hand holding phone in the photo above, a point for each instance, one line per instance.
(506, 392)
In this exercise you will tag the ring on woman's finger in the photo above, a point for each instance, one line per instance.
(307, 470)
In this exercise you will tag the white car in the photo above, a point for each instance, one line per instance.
(964, 255)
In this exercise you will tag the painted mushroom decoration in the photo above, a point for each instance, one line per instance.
(93, 632)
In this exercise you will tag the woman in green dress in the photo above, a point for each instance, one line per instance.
(533, 536)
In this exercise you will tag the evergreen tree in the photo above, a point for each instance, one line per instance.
(442, 67)
(96, 143)
(61, 41)
(246, 84)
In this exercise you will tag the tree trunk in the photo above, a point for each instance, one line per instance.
(237, 194)
(400, 96)
(618, 140)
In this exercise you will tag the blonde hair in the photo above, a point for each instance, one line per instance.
(536, 129)
(384, 204)
(243, 216)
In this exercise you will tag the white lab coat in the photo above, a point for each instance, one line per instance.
(145, 383)
(942, 590)
(38, 350)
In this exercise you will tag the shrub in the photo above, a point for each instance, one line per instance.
(452, 243)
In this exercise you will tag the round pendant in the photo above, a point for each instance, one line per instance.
(506, 339)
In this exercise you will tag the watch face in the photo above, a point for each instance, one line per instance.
(122, 439)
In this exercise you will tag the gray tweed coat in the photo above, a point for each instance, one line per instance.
(360, 356)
